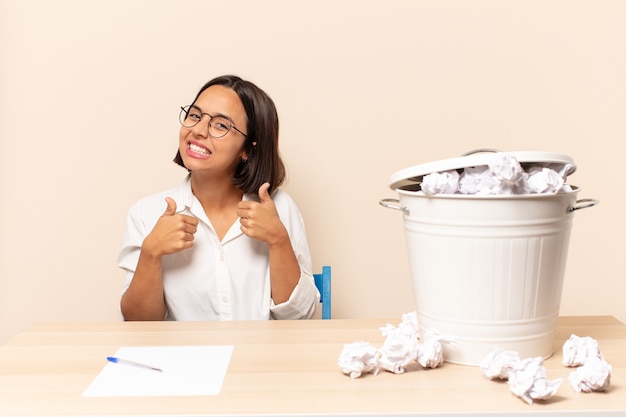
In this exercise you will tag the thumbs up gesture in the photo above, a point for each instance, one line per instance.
(172, 232)
(260, 220)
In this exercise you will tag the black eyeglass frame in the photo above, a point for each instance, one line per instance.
(185, 110)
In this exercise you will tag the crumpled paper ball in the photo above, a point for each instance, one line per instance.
(593, 375)
(528, 380)
(410, 320)
(508, 172)
(576, 350)
(440, 183)
(477, 180)
(399, 348)
(430, 351)
(358, 358)
(543, 181)
(499, 363)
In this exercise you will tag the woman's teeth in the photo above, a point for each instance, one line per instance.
(198, 149)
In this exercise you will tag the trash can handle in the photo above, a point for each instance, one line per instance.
(481, 150)
(393, 203)
(583, 203)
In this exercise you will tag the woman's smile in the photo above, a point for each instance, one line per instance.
(197, 151)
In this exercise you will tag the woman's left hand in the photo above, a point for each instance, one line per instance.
(260, 220)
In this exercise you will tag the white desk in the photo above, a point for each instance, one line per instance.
(284, 368)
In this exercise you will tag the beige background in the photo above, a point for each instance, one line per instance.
(90, 92)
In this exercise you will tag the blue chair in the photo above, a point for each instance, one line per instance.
(322, 282)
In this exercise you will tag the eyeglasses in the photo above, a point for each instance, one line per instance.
(219, 125)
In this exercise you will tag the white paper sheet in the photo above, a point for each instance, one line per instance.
(187, 371)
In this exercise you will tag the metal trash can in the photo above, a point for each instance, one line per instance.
(487, 270)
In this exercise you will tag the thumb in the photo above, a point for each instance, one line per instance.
(171, 207)
(264, 195)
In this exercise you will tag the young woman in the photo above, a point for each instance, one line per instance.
(226, 244)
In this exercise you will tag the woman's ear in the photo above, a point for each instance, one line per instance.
(245, 155)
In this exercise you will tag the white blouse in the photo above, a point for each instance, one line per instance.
(227, 280)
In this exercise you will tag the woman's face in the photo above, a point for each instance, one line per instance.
(203, 153)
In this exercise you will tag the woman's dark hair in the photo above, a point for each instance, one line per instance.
(264, 163)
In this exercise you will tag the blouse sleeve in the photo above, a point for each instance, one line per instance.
(305, 296)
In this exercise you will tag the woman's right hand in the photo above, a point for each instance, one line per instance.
(172, 232)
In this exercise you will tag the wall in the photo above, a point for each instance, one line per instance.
(90, 92)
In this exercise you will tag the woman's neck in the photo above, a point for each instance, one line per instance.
(215, 193)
